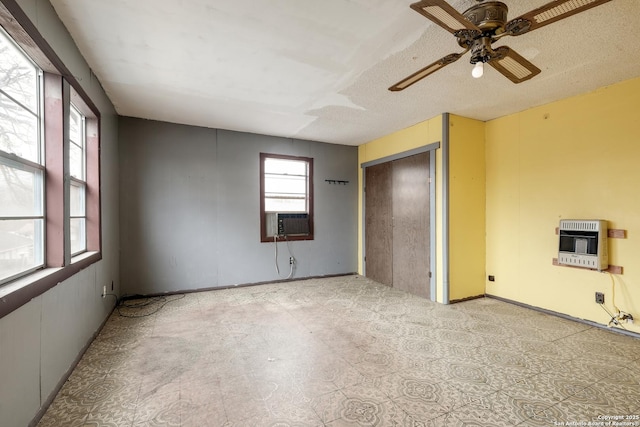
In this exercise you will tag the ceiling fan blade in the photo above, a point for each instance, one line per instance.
(443, 14)
(426, 71)
(513, 66)
(550, 13)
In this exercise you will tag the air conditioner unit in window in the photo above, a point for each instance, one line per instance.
(583, 243)
(293, 224)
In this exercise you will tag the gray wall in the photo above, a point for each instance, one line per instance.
(40, 341)
(189, 208)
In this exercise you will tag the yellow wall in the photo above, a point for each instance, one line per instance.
(416, 136)
(576, 158)
(466, 207)
(466, 198)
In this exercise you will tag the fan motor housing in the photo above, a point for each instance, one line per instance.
(490, 16)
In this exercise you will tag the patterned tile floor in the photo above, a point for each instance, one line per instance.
(346, 351)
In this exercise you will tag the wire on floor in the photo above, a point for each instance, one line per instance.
(619, 316)
(614, 318)
(155, 304)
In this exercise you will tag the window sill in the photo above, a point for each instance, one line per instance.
(82, 256)
(14, 295)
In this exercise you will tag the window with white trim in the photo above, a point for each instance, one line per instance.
(21, 163)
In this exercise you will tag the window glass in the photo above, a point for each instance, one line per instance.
(21, 172)
(18, 130)
(18, 75)
(77, 200)
(76, 144)
(21, 246)
(285, 166)
(78, 235)
(75, 161)
(285, 185)
(275, 204)
(20, 191)
(75, 126)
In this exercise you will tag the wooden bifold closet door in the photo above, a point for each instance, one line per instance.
(397, 222)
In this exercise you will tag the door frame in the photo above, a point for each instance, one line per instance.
(431, 148)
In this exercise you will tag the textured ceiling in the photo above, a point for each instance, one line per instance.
(320, 70)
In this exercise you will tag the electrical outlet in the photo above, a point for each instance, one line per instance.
(291, 260)
(104, 291)
(492, 278)
(599, 298)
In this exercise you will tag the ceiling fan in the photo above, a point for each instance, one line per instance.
(478, 27)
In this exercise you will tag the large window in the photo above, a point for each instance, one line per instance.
(21, 163)
(286, 197)
(78, 186)
(49, 169)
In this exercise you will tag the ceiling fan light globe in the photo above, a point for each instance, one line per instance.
(478, 70)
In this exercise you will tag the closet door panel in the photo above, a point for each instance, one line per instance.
(378, 224)
(411, 234)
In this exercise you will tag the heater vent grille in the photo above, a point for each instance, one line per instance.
(580, 225)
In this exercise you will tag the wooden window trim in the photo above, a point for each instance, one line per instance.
(93, 191)
(263, 223)
(54, 100)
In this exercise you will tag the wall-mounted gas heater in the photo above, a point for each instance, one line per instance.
(583, 243)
